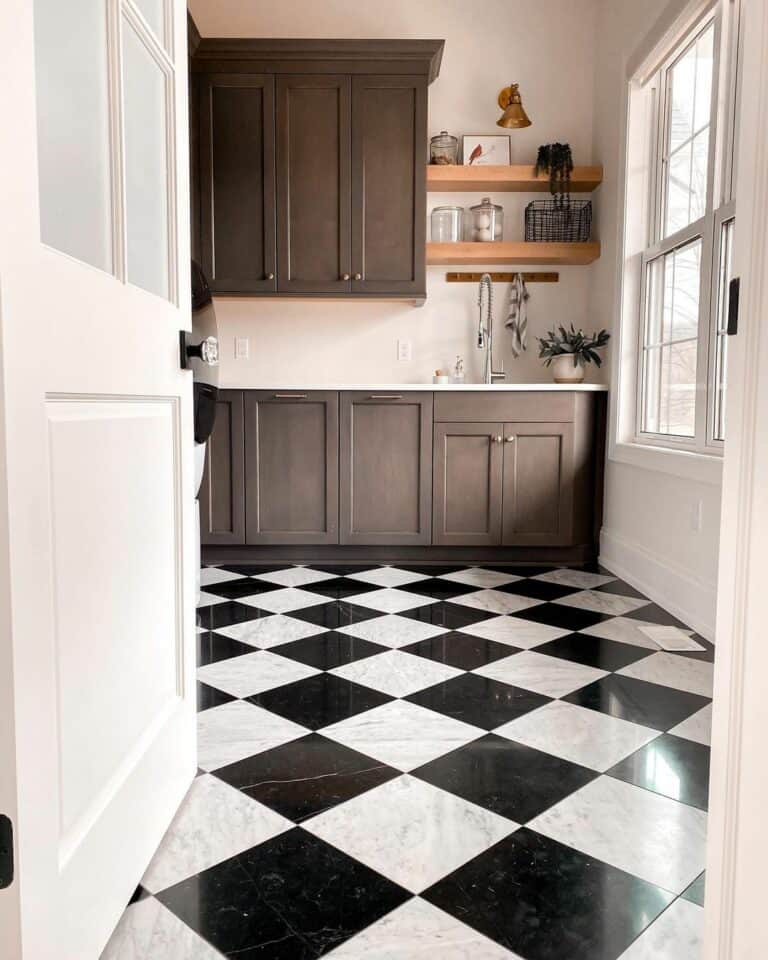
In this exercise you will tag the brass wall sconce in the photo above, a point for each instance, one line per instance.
(514, 115)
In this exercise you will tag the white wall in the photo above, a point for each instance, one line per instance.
(545, 45)
(648, 533)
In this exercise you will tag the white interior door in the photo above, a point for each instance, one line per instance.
(97, 741)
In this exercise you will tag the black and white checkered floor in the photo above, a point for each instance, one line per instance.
(419, 762)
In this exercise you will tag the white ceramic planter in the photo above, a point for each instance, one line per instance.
(564, 371)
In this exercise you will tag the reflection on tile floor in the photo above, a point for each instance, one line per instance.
(434, 761)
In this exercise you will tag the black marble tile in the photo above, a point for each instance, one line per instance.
(250, 569)
(695, 893)
(640, 702)
(519, 569)
(208, 697)
(304, 777)
(431, 569)
(340, 588)
(621, 589)
(509, 778)
(225, 614)
(546, 901)
(478, 700)
(460, 650)
(538, 589)
(328, 650)
(244, 587)
(653, 613)
(319, 701)
(337, 613)
(593, 651)
(292, 898)
(440, 589)
(343, 569)
(449, 616)
(672, 766)
(139, 894)
(567, 618)
(212, 647)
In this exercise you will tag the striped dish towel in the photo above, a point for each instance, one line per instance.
(517, 316)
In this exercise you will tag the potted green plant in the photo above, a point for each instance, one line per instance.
(567, 351)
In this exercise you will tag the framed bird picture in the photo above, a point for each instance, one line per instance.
(479, 151)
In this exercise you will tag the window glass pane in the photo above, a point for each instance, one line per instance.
(146, 163)
(671, 342)
(73, 129)
(687, 142)
(721, 345)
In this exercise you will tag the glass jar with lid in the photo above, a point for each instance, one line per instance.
(486, 221)
(443, 149)
(446, 224)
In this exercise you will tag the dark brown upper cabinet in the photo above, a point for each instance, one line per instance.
(311, 167)
(237, 182)
(313, 185)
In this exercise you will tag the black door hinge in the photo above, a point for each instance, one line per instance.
(6, 852)
(733, 307)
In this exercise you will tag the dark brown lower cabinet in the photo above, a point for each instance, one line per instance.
(291, 467)
(385, 468)
(222, 493)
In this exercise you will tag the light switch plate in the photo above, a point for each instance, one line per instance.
(404, 351)
(242, 348)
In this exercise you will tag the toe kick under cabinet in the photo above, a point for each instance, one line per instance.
(380, 468)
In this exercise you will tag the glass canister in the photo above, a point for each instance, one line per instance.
(444, 149)
(486, 221)
(446, 224)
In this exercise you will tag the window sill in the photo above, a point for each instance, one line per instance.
(700, 467)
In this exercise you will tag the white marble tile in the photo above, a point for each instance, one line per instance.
(285, 600)
(392, 630)
(654, 838)
(402, 734)
(622, 629)
(148, 931)
(514, 631)
(209, 599)
(574, 578)
(294, 576)
(477, 577)
(266, 632)
(410, 831)
(237, 730)
(588, 737)
(610, 603)
(670, 638)
(210, 575)
(253, 673)
(672, 670)
(388, 576)
(396, 673)
(495, 601)
(697, 727)
(391, 600)
(551, 676)
(214, 822)
(678, 934)
(419, 931)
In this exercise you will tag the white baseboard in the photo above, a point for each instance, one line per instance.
(685, 597)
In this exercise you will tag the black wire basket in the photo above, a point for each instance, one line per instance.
(558, 221)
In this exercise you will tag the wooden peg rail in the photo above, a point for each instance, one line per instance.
(503, 277)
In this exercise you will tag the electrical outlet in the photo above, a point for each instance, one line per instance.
(242, 348)
(404, 351)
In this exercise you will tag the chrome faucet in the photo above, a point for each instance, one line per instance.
(485, 329)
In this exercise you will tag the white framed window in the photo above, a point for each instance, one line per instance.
(684, 243)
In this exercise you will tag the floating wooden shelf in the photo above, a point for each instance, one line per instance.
(568, 254)
(515, 178)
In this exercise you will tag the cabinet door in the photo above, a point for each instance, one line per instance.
(222, 492)
(237, 172)
(386, 468)
(538, 484)
(313, 184)
(291, 467)
(468, 462)
(389, 137)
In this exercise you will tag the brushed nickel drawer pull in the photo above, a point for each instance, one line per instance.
(290, 396)
(510, 439)
(386, 396)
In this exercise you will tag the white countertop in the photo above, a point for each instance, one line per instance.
(403, 387)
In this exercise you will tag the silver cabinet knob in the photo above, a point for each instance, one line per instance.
(509, 439)
(345, 276)
(358, 276)
(270, 276)
(497, 439)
